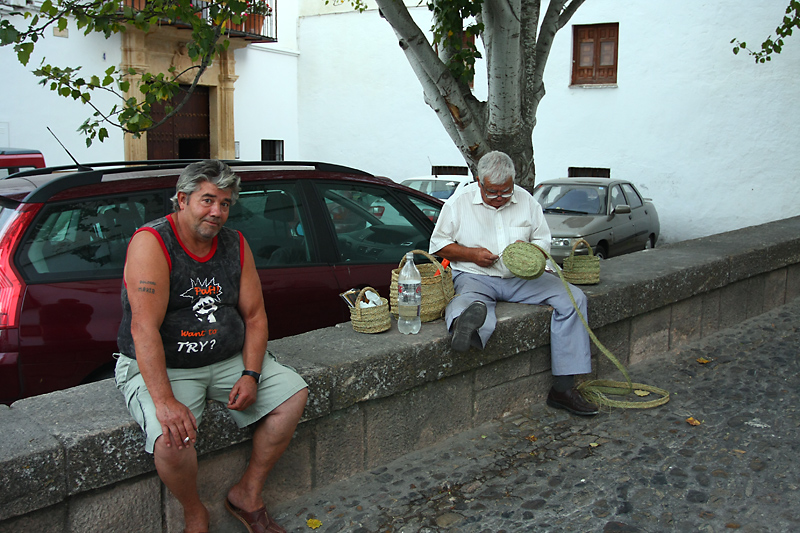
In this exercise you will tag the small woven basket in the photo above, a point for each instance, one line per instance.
(524, 259)
(437, 289)
(582, 269)
(370, 319)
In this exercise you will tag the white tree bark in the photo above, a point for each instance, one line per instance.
(516, 48)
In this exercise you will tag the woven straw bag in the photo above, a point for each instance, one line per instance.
(370, 319)
(582, 269)
(437, 289)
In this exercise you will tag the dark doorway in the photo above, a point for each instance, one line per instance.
(186, 135)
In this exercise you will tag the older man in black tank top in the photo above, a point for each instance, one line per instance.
(194, 327)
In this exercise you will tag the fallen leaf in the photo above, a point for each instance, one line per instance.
(532, 438)
(703, 360)
(639, 392)
(693, 421)
(313, 523)
(739, 451)
(594, 444)
(732, 525)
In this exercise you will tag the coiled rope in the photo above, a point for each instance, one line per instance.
(527, 263)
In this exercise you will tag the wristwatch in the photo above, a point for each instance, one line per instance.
(253, 374)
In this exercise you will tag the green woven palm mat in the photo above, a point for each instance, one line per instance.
(527, 261)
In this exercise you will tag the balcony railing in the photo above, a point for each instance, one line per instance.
(255, 28)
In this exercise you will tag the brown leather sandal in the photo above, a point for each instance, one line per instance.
(256, 522)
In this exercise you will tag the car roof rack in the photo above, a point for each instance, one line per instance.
(157, 164)
(90, 174)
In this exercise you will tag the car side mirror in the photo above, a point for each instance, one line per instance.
(622, 209)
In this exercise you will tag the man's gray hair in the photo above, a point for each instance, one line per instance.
(211, 170)
(495, 168)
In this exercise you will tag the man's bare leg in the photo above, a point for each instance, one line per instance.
(178, 470)
(270, 439)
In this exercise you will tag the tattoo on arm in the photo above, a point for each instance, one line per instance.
(150, 290)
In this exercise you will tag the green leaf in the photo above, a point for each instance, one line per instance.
(24, 51)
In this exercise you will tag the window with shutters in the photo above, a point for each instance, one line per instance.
(594, 60)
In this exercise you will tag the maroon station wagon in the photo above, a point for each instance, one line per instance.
(315, 229)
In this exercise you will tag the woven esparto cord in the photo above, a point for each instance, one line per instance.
(598, 390)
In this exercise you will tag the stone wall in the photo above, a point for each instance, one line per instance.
(73, 461)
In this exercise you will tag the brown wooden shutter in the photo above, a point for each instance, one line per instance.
(594, 58)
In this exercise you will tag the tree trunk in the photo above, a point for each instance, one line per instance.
(515, 60)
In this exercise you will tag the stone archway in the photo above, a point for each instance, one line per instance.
(165, 47)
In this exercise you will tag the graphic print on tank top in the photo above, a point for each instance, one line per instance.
(205, 295)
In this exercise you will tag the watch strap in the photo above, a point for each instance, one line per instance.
(253, 374)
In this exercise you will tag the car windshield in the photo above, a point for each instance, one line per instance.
(441, 189)
(569, 198)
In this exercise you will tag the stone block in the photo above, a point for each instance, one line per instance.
(686, 321)
(650, 334)
(33, 469)
(502, 371)
(709, 323)
(755, 295)
(732, 304)
(417, 418)
(134, 505)
(792, 282)
(774, 289)
(339, 445)
(46, 520)
(101, 442)
(616, 339)
(540, 360)
(510, 397)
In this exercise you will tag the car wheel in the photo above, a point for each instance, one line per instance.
(649, 244)
(600, 251)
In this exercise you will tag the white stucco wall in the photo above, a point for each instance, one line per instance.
(28, 108)
(708, 135)
(265, 102)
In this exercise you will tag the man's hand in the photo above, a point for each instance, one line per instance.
(483, 257)
(243, 394)
(177, 423)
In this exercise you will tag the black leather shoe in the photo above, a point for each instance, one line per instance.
(572, 401)
(466, 324)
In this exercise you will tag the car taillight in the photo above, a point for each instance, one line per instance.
(11, 284)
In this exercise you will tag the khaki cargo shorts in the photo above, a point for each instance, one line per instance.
(193, 386)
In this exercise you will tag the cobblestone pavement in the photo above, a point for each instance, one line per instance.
(622, 471)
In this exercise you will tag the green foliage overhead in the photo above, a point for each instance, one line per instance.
(22, 30)
(455, 27)
(773, 45)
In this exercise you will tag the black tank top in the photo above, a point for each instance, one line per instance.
(202, 324)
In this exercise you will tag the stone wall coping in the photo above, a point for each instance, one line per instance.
(73, 441)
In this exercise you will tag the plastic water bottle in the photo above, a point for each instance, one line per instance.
(409, 297)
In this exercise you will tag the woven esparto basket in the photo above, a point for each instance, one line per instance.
(437, 289)
(582, 269)
(370, 319)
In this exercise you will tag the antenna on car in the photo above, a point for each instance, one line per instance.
(80, 167)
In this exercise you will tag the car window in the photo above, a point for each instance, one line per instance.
(371, 225)
(441, 189)
(588, 199)
(270, 216)
(83, 239)
(429, 210)
(633, 197)
(617, 198)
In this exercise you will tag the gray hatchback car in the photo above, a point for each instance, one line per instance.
(610, 214)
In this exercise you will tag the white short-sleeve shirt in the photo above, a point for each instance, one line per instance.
(467, 220)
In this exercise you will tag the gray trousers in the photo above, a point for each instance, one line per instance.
(569, 342)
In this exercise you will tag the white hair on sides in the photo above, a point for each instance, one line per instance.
(495, 168)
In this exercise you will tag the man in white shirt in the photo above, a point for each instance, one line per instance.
(474, 227)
